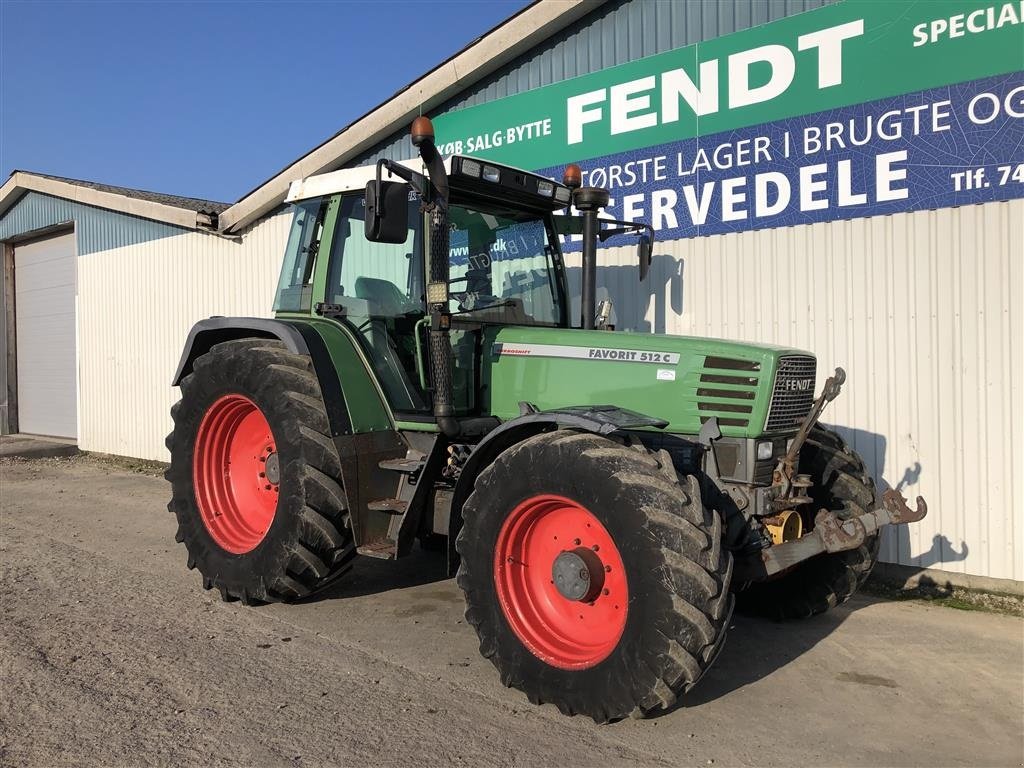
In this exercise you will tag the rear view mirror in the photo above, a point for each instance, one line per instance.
(644, 247)
(387, 212)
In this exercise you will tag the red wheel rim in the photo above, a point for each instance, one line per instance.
(235, 473)
(563, 632)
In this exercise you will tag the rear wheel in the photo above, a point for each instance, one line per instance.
(593, 575)
(253, 475)
(841, 484)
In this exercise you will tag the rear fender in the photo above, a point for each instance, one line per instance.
(215, 330)
(359, 420)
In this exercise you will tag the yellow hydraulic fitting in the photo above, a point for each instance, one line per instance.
(785, 526)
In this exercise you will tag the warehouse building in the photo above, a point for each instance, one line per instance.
(812, 169)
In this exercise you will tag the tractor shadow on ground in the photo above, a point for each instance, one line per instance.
(371, 576)
(755, 648)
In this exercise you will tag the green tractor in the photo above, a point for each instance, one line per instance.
(605, 498)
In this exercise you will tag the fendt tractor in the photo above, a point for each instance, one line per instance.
(605, 497)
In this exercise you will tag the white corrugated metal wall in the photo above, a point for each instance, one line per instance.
(136, 306)
(922, 310)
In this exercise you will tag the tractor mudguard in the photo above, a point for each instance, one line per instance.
(298, 337)
(358, 420)
(599, 419)
(214, 330)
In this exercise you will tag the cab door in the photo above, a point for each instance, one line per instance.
(378, 288)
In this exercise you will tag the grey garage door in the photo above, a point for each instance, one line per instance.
(44, 306)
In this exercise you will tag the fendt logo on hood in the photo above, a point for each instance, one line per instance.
(796, 385)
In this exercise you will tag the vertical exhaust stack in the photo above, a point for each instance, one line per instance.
(589, 201)
(422, 135)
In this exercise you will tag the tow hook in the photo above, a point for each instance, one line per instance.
(840, 535)
(898, 510)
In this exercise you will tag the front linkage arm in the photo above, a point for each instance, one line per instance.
(831, 534)
(785, 470)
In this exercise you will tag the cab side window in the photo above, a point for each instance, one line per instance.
(295, 288)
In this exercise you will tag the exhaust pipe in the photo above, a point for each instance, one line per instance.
(437, 280)
(589, 201)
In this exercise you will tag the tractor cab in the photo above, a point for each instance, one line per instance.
(419, 259)
(503, 263)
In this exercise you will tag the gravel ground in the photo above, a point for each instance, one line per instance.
(112, 654)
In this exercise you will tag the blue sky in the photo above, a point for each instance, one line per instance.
(207, 99)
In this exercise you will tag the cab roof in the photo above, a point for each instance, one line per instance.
(467, 176)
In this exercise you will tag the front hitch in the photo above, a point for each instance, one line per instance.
(831, 534)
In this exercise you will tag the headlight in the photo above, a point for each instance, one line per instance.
(545, 188)
(491, 173)
(764, 450)
(471, 168)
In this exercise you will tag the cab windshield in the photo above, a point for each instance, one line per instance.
(502, 268)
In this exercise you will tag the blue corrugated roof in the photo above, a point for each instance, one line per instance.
(96, 229)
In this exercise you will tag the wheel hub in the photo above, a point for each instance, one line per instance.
(273, 469)
(578, 574)
(561, 582)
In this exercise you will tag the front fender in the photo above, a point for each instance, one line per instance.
(598, 419)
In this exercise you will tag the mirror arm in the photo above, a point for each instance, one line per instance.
(416, 180)
(625, 228)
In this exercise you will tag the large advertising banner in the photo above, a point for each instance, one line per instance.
(861, 108)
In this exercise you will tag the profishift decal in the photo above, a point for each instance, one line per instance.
(585, 353)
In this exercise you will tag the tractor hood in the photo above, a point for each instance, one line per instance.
(681, 379)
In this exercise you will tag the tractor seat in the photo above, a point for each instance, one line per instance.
(388, 298)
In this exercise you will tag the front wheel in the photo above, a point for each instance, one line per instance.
(593, 575)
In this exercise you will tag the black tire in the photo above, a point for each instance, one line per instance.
(843, 485)
(309, 542)
(670, 544)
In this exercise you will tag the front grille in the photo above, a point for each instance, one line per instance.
(732, 381)
(793, 394)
